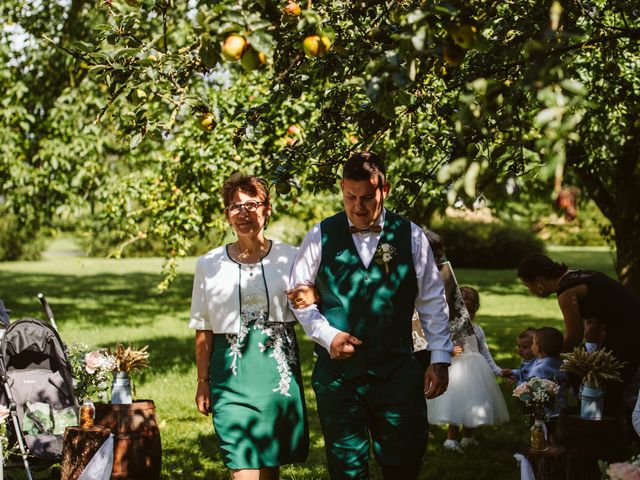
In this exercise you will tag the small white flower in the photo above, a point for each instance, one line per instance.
(386, 248)
(386, 257)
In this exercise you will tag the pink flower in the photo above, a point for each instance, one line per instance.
(93, 361)
(520, 389)
(624, 471)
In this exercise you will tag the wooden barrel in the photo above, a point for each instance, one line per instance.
(137, 451)
(588, 441)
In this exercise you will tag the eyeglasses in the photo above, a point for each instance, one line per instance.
(249, 206)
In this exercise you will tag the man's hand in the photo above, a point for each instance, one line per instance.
(436, 380)
(343, 346)
(505, 373)
(303, 295)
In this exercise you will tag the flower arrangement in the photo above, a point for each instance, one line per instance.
(596, 368)
(537, 395)
(621, 471)
(90, 370)
(384, 254)
(130, 358)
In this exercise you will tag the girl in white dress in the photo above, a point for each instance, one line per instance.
(473, 397)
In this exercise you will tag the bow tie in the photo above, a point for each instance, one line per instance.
(372, 229)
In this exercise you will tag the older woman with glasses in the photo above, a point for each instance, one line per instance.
(246, 351)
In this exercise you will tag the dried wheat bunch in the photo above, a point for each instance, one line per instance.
(596, 367)
(130, 358)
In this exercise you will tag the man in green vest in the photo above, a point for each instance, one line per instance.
(372, 269)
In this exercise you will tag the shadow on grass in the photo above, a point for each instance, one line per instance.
(105, 299)
(203, 461)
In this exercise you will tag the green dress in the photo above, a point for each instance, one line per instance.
(259, 414)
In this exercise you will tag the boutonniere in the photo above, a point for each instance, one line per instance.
(384, 254)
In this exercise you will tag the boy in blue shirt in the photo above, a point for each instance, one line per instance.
(546, 346)
(525, 339)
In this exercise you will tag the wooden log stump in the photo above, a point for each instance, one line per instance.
(549, 464)
(79, 447)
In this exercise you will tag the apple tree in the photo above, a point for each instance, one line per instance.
(463, 97)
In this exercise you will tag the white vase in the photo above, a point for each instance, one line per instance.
(591, 402)
(121, 388)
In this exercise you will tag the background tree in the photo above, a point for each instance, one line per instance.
(463, 97)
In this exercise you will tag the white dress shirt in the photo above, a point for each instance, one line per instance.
(430, 303)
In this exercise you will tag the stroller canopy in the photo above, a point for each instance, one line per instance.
(33, 336)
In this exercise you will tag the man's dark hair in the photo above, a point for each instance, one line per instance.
(365, 166)
(549, 340)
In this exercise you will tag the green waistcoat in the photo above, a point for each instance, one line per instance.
(369, 303)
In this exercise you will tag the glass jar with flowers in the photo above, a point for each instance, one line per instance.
(596, 368)
(537, 396)
(126, 361)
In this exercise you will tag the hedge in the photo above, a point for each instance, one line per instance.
(486, 245)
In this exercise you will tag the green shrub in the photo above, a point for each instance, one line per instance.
(486, 245)
(17, 240)
(589, 228)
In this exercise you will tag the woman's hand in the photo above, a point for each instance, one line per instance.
(204, 347)
(203, 398)
(303, 295)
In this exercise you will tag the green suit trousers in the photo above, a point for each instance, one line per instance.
(388, 413)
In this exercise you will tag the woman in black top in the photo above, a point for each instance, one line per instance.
(585, 294)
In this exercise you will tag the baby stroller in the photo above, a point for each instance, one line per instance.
(37, 387)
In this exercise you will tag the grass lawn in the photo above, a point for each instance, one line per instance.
(102, 302)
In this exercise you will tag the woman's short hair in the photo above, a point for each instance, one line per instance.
(538, 265)
(249, 184)
(471, 299)
(550, 341)
(365, 166)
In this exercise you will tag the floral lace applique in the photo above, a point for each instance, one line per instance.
(280, 339)
(236, 342)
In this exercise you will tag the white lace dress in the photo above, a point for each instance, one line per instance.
(473, 397)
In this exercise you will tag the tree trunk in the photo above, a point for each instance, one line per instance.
(618, 197)
(627, 233)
